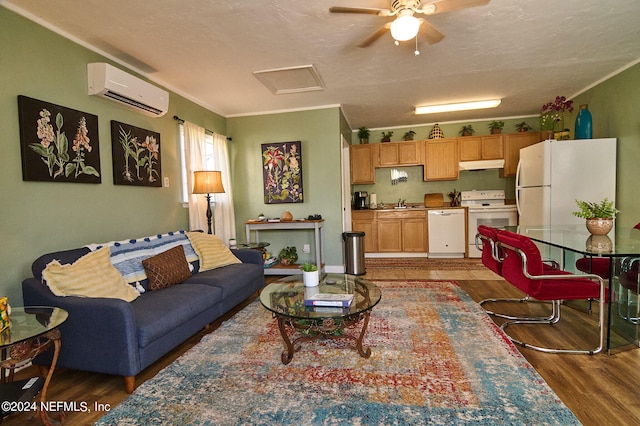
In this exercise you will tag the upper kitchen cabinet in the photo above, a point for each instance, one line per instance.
(513, 142)
(441, 159)
(473, 148)
(363, 163)
(394, 154)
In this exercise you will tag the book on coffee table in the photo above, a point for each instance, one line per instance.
(329, 299)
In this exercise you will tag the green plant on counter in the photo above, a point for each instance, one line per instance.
(308, 267)
(591, 210)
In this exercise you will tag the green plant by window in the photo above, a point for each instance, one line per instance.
(591, 210)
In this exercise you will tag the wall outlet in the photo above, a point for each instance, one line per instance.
(306, 248)
(166, 181)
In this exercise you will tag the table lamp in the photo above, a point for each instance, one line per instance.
(208, 182)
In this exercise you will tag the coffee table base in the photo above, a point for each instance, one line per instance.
(329, 328)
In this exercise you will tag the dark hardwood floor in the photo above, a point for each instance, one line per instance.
(600, 389)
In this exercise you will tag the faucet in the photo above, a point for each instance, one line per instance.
(402, 203)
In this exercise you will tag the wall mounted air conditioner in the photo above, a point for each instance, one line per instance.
(112, 83)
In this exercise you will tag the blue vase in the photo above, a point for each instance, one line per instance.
(584, 128)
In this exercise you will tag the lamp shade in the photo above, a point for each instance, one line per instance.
(207, 182)
(405, 27)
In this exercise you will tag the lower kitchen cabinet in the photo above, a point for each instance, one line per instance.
(392, 231)
(364, 221)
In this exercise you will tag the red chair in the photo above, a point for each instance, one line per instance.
(522, 266)
(630, 289)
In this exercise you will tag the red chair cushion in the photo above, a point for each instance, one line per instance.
(544, 289)
(487, 256)
(594, 265)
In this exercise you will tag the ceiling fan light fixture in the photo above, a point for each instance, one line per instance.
(462, 106)
(405, 27)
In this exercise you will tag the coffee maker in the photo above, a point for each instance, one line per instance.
(360, 200)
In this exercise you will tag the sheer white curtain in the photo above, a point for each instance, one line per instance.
(194, 152)
(224, 212)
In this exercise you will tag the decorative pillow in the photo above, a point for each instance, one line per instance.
(127, 255)
(92, 275)
(167, 268)
(211, 251)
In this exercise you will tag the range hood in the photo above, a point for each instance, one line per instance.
(481, 164)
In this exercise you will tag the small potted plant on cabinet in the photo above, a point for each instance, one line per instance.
(599, 216)
(310, 274)
(523, 127)
(467, 130)
(496, 127)
(386, 136)
(409, 135)
(363, 134)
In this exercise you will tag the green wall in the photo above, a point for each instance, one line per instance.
(319, 133)
(41, 217)
(615, 110)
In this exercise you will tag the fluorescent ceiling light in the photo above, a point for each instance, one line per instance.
(462, 106)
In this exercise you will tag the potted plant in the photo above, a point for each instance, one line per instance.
(386, 136)
(310, 274)
(496, 127)
(288, 256)
(523, 127)
(552, 117)
(363, 134)
(466, 130)
(599, 216)
(409, 135)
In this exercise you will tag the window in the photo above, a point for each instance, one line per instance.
(209, 164)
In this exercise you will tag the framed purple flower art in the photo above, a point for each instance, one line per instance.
(136, 156)
(282, 172)
(58, 144)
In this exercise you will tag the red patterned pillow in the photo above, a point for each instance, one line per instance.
(167, 268)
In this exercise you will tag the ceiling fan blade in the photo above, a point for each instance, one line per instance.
(449, 5)
(430, 33)
(366, 10)
(375, 36)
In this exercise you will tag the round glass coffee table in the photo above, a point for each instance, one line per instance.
(298, 323)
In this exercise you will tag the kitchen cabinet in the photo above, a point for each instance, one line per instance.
(441, 159)
(364, 221)
(407, 153)
(402, 231)
(363, 163)
(473, 148)
(513, 142)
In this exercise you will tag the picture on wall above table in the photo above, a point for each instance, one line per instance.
(136, 155)
(282, 172)
(58, 144)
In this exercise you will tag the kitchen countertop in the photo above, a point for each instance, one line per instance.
(410, 208)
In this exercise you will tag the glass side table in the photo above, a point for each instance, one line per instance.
(32, 330)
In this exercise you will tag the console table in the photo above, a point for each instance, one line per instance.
(318, 234)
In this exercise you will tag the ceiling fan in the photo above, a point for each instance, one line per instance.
(406, 26)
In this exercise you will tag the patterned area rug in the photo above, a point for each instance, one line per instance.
(424, 263)
(437, 358)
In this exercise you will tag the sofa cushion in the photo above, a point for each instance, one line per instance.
(211, 251)
(127, 255)
(230, 279)
(167, 268)
(92, 275)
(159, 312)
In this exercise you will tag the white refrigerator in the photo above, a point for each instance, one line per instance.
(552, 174)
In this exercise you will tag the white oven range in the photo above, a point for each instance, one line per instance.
(486, 207)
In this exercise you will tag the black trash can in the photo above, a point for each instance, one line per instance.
(353, 253)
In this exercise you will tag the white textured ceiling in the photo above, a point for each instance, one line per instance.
(523, 51)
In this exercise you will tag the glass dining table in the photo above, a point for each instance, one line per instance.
(566, 244)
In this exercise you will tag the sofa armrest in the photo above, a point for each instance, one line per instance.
(249, 256)
(99, 334)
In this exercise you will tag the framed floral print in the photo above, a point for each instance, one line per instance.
(282, 172)
(136, 155)
(58, 144)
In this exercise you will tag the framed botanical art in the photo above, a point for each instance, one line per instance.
(58, 144)
(136, 155)
(282, 172)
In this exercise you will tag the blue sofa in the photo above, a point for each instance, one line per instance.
(112, 336)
